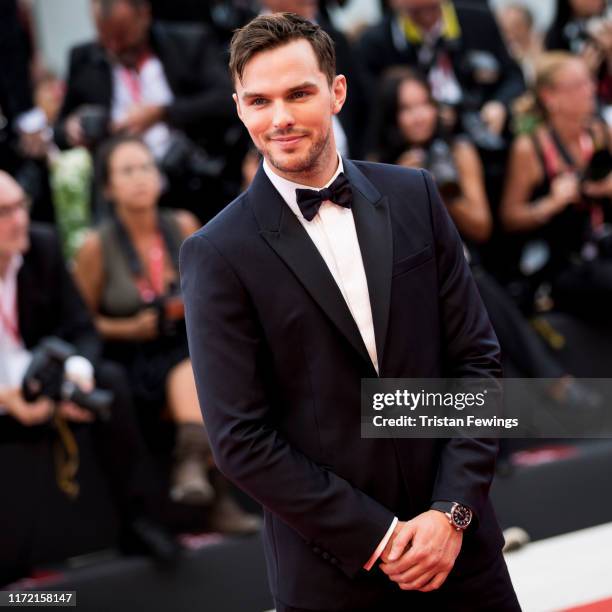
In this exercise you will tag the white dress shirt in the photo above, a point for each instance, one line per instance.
(147, 86)
(14, 358)
(333, 232)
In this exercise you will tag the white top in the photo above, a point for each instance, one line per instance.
(14, 358)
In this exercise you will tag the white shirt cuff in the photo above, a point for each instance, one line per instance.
(379, 549)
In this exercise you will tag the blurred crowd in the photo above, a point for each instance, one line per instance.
(106, 170)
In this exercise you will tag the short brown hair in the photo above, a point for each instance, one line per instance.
(270, 31)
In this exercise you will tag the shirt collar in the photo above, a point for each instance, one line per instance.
(287, 188)
(12, 269)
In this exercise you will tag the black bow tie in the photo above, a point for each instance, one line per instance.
(339, 192)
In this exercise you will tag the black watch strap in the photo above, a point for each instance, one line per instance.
(443, 506)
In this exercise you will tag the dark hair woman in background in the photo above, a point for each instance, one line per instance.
(127, 270)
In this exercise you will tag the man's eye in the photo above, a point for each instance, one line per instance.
(296, 95)
(258, 101)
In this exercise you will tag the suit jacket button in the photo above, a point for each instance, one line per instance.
(334, 561)
(316, 550)
(326, 555)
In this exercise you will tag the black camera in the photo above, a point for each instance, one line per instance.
(171, 313)
(95, 124)
(483, 71)
(45, 377)
(598, 169)
(479, 133)
(185, 159)
(441, 164)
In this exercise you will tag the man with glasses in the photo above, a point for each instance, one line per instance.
(38, 299)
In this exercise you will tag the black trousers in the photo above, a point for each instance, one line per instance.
(488, 591)
(25, 471)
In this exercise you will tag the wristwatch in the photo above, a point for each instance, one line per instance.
(459, 516)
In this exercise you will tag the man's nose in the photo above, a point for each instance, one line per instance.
(283, 118)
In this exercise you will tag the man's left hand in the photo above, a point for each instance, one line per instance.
(422, 552)
(140, 119)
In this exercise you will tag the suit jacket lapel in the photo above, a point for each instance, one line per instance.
(285, 234)
(373, 225)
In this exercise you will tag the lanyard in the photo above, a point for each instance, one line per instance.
(10, 321)
(132, 80)
(152, 285)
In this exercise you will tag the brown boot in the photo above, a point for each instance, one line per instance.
(189, 481)
(226, 516)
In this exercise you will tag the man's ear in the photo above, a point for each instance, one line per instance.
(237, 102)
(338, 90)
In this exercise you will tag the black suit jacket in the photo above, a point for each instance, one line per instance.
(278, 361)
(192, 64)
(49, 303)
(479, 32)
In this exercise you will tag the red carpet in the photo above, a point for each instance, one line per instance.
(604, 605)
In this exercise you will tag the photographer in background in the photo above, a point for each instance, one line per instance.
(409, 133)
(461, 52)
(128, 273)
(24, 134)
(584, 27)
(558, 193)
(38, 299)
(165, 83)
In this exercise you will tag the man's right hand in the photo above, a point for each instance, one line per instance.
(27, 413)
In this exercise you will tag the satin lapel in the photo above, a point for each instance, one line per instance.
(286, 236)
(373, 225)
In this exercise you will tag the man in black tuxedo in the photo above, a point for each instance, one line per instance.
(293, 295)
(166, 82)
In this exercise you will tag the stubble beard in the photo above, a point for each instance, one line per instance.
(310, 164)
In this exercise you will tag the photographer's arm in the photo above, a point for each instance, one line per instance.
(470, 211)
(524, 173)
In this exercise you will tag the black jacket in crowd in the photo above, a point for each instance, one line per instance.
(49, 303)
(383, 46)
(192, 64)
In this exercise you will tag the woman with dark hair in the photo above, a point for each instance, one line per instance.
(584, 27)
(559, 188)
(127, 270)
(408, 133)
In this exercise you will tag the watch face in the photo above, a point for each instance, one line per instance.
(461, 516)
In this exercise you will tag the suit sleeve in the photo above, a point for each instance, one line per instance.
(471, 350)
(226, 346)
(70, 103)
